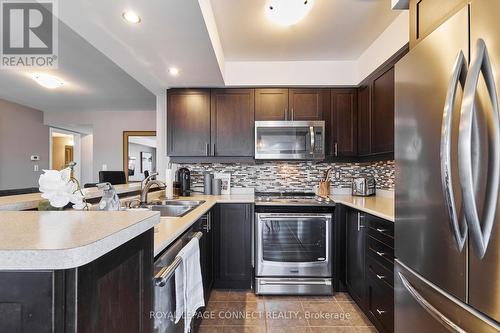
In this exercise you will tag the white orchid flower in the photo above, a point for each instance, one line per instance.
(59, 188)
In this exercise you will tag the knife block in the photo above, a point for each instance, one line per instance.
(324, 188)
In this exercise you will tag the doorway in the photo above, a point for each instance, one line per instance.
(64, 148)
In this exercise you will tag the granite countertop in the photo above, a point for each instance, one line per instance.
(378, 205)
(60, 240)
(170, 228)
(66, 239)
(30, 201)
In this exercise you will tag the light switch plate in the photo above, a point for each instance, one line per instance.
(400, 4)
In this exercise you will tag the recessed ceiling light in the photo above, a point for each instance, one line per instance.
(173, 71)
(47, 81)
(288, 12)
(131, 17)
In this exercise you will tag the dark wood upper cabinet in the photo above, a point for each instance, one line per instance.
(271, 104)
(382, 134)
(232, 122)
(364, 130)
(188, 122)
(289, 104)
(305, 104)
(376, 110)
(343, 126)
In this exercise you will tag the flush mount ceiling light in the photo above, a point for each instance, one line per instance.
(131, 17)
(47, 81)
(288, 12)
(173, 71)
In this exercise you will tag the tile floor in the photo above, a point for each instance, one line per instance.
(244, 312)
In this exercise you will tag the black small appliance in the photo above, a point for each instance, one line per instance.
(183, 177)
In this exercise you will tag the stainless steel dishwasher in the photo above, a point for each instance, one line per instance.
(164, 284)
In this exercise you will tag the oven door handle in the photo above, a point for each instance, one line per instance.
(281, 218)
(299, 282)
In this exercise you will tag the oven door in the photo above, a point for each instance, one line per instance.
(293, 245)
(289, 140)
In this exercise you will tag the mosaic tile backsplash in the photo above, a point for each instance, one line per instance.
(294, 176)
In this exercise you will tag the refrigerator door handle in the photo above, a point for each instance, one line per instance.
(429, 307)
(459, 76)
(480, 236)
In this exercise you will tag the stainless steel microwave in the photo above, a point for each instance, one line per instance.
(289, 140)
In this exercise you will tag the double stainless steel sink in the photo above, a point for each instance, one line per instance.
(173, 208)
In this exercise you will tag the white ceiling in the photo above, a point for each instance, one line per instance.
(171, 33)
(109, 64)
(333, 30)
(92, 82)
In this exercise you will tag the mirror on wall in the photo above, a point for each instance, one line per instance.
(139, 154)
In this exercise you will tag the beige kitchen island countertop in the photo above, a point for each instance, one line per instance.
(31, 200)
(66, 239)
(378, 205)
(170, 228)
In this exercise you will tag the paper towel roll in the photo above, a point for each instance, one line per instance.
(169, 185)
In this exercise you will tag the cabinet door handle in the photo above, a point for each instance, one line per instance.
(380, 277)
(336, 149)
(207, 149)
(380, 312)
(209, 221)
(313, 143)
(360, 216)
(293, 116)
(213, 151)
(286, 114)
(252, 240)
(206, 226)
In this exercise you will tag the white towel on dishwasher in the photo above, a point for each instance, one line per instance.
(188, 284)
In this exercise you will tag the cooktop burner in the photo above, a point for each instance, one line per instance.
(290, 198)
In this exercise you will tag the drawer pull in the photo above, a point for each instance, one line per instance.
(380, 277)
(382, 254)
(380, 312)
(382, 230)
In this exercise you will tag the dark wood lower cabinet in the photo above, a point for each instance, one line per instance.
(27, 302)
(233, 237)
(111, 294)
(355, 255)
(369, 275)
(115, 291)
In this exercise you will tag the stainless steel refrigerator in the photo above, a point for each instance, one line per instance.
(447, 151)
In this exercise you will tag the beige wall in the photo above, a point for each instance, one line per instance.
(107, 129)
(22, 134)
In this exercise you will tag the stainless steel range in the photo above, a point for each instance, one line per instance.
(290, 198)
(293, 244)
